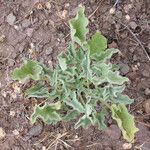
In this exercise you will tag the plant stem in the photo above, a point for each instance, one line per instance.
(106, 104)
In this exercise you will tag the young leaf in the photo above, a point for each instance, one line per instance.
(78, 27)
(125, 121)
(48, 113)
(97, 43)
(30, 70)
(39, 91)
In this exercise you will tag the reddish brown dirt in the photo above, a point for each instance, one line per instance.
(29, 29)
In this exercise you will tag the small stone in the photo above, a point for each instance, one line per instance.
(113, 132)
(127, 17)
(11, 19)
(2, 38)
(11, 62)
(146, 73)
(135, 58)
(12, 113)
(113, 45)
(29, 32)
(108, 148)
(133, 25)
(35, 130)
(15, 132)
(119, 14)
(147, 106)
(124, 68)
(48, 5)
(147, 91)
(26, 23)
(127, 146)
(112, 10)
(2, 133)
(48, 51)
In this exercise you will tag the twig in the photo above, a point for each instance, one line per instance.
(147, 125)
(95, 9)
(137, 40)
(116, 3)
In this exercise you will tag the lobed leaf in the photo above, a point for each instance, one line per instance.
(30, 70)
(97, 44)
(78, 27)
(39, 91)
(125, 121)
(48, 113)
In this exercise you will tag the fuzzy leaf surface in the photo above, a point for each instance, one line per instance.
(78, 26)
(39, 91)
(30, 70)
(97, 43)
(48, 113)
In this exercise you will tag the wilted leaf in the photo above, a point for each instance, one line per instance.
(30, 70)
(115, 78)
(78, 27)
(125, 121)
(48, 113)
(97, 43)
(39, 91)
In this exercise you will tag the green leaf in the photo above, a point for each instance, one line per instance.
(84, 122)
(78, 27)
(74, 103)
(97, 43)
(115, 78)
(86, 66)
(103, 56)
(123, 99)
(48, 113)
(39, 91)
(30, 70)
(71, 115)
(99, 118)
(125, 121)
(62, 63)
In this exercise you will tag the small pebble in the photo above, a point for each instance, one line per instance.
(146, 73)
(147, 106)
(147, 91)
(11, 19)
(2, 133)
(133, 25)
(127, 146)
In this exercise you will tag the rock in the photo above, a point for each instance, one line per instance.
(119, 14)
(2, 133)
(133, 25)
(29, 32)
(124, 68)
(108, 148)
(35, 131)
(26, 23)
(11, 62)
(147, 106)
(146, 73)
(113, 45)
(113, 132)
(48, 51)
(147, 91)
(135, 58)
(127, 146)
(11, 19)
